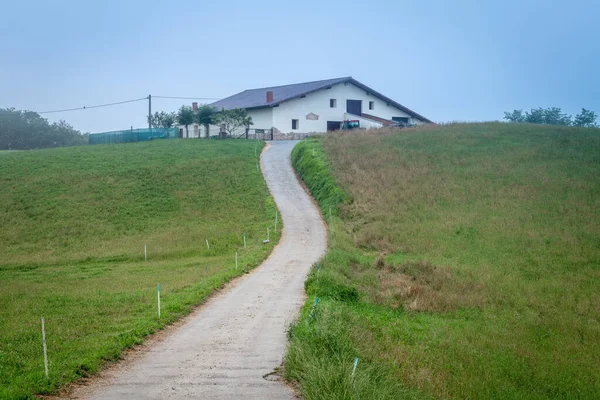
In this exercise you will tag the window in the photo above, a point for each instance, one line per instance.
(371, 105)
(295, 124)
(332, 103)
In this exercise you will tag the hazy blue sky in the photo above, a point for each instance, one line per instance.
(448, 60)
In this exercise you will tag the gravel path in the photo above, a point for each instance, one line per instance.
(225, 350)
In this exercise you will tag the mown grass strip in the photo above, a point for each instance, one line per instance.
(321, 354)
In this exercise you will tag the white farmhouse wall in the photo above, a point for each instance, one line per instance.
(213, 130)
(318, 103)
(262, 118)
(193, 129)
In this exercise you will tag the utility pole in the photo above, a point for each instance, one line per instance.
(149, 111)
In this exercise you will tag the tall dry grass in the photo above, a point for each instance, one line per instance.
(475, 253)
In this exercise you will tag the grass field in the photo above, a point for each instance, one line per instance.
(464, 262)
(74, 225)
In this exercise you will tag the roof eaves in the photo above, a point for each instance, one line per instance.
(298, 83)
(270, 105)
(387, 99)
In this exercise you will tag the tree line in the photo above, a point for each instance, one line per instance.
(553, 116)
(205, 115)
(24, 130)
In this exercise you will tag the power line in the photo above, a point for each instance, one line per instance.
(187, 98)
(95, 106)
(126, 101)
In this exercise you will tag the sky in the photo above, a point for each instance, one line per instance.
(447, 60)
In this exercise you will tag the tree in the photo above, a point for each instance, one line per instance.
(185, 116)
(162, 119)
(515, 116)
(549, 116)
(168, 120)
(535, 116)
(247, 122)
(23, 130)
(205, 116)
(232, 119)
(586, 118)
(555, 116)
(154, 120)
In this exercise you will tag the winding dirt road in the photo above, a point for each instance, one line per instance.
(228, 348)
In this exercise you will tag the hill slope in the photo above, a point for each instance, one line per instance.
(464, 262)
(75, 222)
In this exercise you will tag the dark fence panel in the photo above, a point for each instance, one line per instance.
(133, 135)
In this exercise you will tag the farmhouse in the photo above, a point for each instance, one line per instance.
(317, 106)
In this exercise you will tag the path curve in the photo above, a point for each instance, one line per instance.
(225, 350)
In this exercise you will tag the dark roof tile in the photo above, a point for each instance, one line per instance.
(256, 98)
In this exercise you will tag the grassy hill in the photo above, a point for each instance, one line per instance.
(74, 225)
(464, 262)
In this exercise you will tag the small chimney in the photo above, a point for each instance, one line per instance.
(194, 106)
(269, 97)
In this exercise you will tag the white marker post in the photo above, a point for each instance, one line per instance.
(207, 245)
(236, 263)
(313, 308)
(318, 270)
(158, 301)
(145, 253)
(244, 239)
(45, 350)
(354, 369)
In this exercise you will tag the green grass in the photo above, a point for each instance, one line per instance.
(74, 225)
(464, 262)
